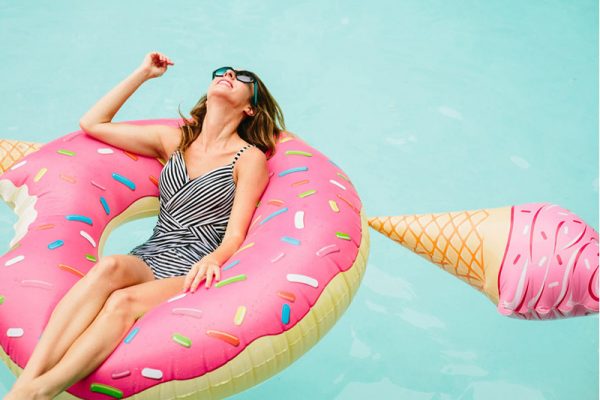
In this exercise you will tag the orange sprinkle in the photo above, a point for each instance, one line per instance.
(131, 155)
(276, 202)
(72, 270)
(224, 336)
(45, 226)
(244, 247)
(70, 179)
(153, 180)
(287, 295)
(350, 204)
(300, 182)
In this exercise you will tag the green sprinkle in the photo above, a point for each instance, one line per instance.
(182, 340)
(90, 257)
(1, 299)
(227, 281)
(299, 153)
(307, 193)
(109, 390)
(66, 152)
(342, 235)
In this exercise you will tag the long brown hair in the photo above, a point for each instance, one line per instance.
(262, 130)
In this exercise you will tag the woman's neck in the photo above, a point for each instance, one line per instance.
(218, 128)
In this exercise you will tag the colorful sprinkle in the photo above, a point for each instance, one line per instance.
(244, 247)
(237, 278)
(106, 389)
(182, 340)
(37, 283)
(516, 259)
(287, 295)
(350, 204)
(105, 150)
(342, 235)
(40, 173)
(302, 182)
(307, 280)
(542, 261)
(105, 205)
(239, 315)
(15, 332)
(14, 260)
(88, 237)
(273, 214)
(285, 139)
(55, 244)
(99, 186)
(254, 222)
(290, 240)
(131, 155)
(323, 251)
(336, 183)
(190, 312)
(307, 193)
(81, 218)
(285, 313)
(131, 335)
(90, 257)
(299, 219)
(68, 178)
(72, 270)
(1, 299)
(277, 257)
(153, 180)
(152, 373)
(124, 180)
(276, 202)
(177, 297)
(17, 165)
(45, 226)
(226, 337)
(343, 177)
(230, 265)
(66, 152)
(291, 170)
(298, 153)
(334, 206)
(119, 375)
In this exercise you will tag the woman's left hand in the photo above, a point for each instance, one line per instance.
(205, 268)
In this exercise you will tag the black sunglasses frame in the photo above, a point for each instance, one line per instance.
(239, 73)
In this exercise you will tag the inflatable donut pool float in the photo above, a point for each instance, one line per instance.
(293, 277)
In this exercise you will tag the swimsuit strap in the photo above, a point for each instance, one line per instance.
(237, 155)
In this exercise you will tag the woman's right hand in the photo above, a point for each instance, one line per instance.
(155, 64)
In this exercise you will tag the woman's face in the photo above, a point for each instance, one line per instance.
(227, 88)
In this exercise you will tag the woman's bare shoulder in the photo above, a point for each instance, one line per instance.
(171, 137)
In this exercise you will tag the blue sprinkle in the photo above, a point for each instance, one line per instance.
(290, 240)
(124, 181)
(105, 205)
(285, 313)
(231, 264)
(289, 171)
(55, 244)
(82, 218)
(273, 215)
(129, 337)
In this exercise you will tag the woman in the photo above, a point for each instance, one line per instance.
(206, 207)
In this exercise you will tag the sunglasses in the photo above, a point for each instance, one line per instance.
(242, 76)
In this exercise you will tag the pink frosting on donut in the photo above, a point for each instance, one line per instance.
(296, 244)
(550, 266)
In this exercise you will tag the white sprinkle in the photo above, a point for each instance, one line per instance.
(587, 263)
(14, 332)
(299, 219)
(553, 284)
(17, 165)
(36, 283)
(88, 237)
(278, 257)
(525, 229)
(336, 183)
(566, 230)
(14, 260)
(303, 279)
(105, 150)
(179, 296)
(542, 261)
(98, 185)
(562, 213)
(152, 373)
(327, 249)
(192, 312)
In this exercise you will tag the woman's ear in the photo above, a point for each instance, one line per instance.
(250, 111)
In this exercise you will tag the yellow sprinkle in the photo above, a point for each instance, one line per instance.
(40, 173)
(239, 315)
(244, 247)
(333, 206)
(285, 139)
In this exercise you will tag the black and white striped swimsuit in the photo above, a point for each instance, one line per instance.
(192, 218)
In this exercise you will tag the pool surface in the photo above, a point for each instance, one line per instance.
(428, 106)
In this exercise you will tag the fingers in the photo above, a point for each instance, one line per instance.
(198, 272)
(160, 60)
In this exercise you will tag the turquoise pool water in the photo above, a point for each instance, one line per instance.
(428, 106)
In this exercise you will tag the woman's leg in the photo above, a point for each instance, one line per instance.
(78, 308)
(99, 340)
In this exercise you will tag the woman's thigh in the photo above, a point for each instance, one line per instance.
(121, 270)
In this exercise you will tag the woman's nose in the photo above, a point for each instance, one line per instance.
(230, 73)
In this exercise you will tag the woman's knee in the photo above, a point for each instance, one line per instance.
(120, 302)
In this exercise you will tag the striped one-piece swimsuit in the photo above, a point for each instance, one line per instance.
(192, 218)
